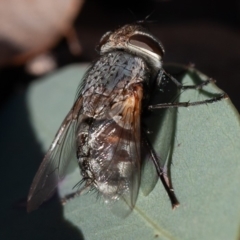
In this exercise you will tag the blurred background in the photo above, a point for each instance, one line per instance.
(39, 36)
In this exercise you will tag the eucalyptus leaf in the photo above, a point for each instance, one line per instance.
(205, 168)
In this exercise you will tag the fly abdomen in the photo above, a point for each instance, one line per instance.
(108, 164)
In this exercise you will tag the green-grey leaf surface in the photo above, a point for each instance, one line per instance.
(205, 171)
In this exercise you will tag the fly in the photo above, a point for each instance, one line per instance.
(105, 128)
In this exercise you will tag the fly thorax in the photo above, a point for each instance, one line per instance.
(110, 81)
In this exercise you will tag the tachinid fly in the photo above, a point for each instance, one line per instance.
(104, 126)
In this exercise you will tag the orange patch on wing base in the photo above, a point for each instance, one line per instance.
(126, 113)
(132, 108)
(112, 139)
(133, 102)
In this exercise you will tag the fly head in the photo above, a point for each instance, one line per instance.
(135, 39)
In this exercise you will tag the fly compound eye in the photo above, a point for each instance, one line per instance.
(147, 43)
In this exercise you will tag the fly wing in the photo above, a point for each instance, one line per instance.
(54, 164)
(161, 126)
(149, 177)
(118, 153)
(162, 141)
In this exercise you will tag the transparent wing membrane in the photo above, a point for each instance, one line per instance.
(53, 166)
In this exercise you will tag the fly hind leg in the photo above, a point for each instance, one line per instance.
(77, 193)
(161, 172)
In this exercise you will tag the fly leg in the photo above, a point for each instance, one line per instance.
(182, 87)
(69, 197)
(79, 192)
(162, 172)
(188, 104)
(218, 97)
